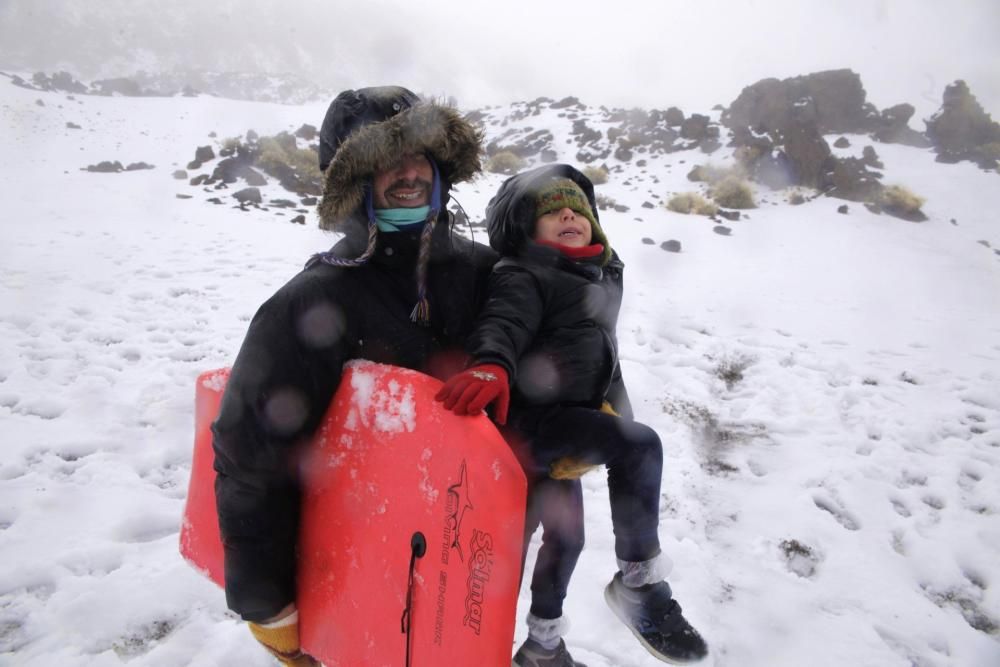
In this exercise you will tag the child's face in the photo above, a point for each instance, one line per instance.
(564, 227)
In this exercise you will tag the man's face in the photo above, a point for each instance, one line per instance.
(406, 184)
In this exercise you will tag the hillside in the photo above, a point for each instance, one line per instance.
(826, 383)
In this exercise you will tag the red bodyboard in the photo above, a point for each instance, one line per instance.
(388, 462)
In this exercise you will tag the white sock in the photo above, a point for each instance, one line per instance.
(547, 631)
(641, 573)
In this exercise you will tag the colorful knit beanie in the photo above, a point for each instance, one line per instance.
(563, 193)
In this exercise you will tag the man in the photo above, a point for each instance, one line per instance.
(400, 288)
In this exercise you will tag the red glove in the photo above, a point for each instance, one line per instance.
(473, 389)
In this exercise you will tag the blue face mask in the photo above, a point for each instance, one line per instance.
(400, 219)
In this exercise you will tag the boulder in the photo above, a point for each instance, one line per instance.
(248, 196)
(962, 130)
(106, 167)
(835, 98)
(892, 127)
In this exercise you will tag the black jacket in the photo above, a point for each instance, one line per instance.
(549, 320)
(290, 363)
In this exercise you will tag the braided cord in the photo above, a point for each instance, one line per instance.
(422, 311)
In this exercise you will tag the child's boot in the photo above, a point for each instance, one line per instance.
(545, 646)
(533, 654)
(655, 618)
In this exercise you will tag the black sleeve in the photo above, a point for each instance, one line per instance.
(509, 320)
(618, 396)
(281, 385)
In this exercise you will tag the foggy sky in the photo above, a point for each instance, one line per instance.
(693, 54)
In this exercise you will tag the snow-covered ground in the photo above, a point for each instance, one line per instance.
(827, 388)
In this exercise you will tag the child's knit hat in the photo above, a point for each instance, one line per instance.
(563, 193)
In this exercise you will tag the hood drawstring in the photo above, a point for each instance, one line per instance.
(422, 311)
(329, 258)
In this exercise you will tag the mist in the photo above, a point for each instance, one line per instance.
(625, 53)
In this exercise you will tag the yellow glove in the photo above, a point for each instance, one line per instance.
(281, 639)
(570, 468)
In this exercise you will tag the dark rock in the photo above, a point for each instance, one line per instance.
(106, 167)
(962, 130)
(248, 195)
(583, 133)
(671, 246)
(647, 204)
(834, 99)
(566, 102)
(893, 127)
(252, 136)
(180, 196)
(253, 177)
(200, 179)
(139, 166)
(870, 158)
(842, 209)
(203, 154)
(73, 126)
(849, 178)
(729, 215)
(39, 103)
(307, 132)
(299, 219)
(180, 174)
(721, 230)
(648, 241)
(905, 214)
(695, 127)
(283, 203)
(674, 117)
(710, 145)
(117, 86)
(624, 154)
(309, 201)
(214, 200)
(842, 142)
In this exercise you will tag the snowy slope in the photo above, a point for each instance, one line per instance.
(834, 504)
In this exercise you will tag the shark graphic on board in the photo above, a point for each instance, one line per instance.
(458, 503)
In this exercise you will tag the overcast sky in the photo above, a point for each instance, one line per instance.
(693, 53)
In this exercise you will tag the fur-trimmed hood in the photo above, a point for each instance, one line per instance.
(427, 127)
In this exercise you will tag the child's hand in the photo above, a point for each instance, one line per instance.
(472, 390)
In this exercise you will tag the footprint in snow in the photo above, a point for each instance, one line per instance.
(837, 510)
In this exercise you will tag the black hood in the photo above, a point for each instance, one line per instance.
(510, 215)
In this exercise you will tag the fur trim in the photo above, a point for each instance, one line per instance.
(453, 142)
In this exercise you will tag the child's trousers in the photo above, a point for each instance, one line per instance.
(633, 455)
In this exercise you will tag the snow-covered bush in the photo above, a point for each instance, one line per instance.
(691, 202)
(505, 162)
(597, 175)
(732, 192)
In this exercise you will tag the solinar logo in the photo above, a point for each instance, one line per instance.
(480, 565)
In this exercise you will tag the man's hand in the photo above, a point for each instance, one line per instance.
(473, 389)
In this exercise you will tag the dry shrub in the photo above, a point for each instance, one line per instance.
(505, 162)
(899, 199)
(691, 202)
(597, 175)
(282, 150)
(732, 192)
(710, 173)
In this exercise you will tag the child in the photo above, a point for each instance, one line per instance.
(545, 347)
